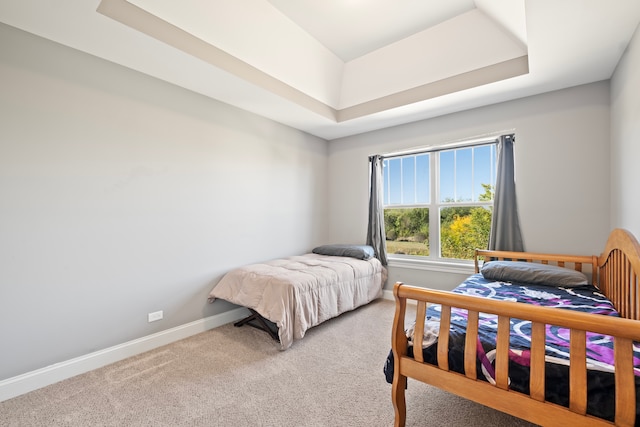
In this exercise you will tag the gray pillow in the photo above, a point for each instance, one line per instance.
(353, 251)
(533, 273)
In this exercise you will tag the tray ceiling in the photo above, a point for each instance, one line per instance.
(335, 68)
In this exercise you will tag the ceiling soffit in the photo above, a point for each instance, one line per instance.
(274, 54)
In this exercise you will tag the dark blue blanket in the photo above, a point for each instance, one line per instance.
(600, 378)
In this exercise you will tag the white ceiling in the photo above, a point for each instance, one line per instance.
(352, 28)
(335, 68)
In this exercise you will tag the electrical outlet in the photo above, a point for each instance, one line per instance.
(156, 315)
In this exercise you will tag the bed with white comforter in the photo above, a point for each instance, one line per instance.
(299, 292)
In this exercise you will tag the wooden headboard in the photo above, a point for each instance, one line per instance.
(584, 263)
(618, 269)
(615, 272)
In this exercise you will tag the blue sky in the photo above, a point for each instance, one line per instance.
(462, 171)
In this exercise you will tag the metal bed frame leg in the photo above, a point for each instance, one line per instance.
(257, 321)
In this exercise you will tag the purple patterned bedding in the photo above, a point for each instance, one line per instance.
(600, 378)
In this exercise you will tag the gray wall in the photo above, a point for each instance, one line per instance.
(562, 169)
(122, 195)
(625, 140)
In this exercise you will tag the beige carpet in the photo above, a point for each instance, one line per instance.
(237, 377)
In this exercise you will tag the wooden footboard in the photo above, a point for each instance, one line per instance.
(615, 270)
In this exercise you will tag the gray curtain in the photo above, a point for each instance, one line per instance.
(505, 226)
(375, 230)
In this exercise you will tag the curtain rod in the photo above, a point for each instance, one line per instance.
(480, 140)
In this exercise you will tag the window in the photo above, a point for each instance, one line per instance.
(438, 204)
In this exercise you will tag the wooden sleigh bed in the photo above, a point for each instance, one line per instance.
(577, 368)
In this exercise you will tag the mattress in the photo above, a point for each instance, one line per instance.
(299, 292)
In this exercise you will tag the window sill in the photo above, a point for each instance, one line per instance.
(461, 267)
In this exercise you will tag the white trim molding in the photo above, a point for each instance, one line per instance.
(24, 383)
(444, 267)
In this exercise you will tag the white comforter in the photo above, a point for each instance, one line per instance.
(300, 292)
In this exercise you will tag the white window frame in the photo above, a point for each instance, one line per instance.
(434, 262)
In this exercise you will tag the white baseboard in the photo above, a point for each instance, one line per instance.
(21, 384)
